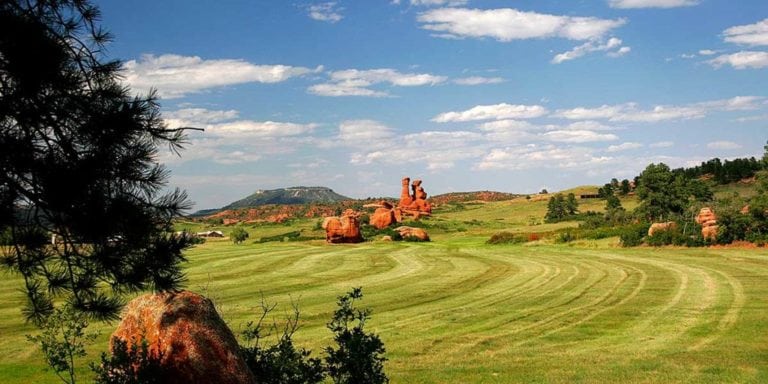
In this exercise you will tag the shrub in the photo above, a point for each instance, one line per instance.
(565, 237)
(507, 238)
(238, 235)
(281, 363)
(632, 235)
(63, 340)
(358, 357)
(134, 365)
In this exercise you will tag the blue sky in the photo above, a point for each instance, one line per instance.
(511, 96)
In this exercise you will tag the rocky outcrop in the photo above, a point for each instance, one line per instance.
(192, 341)
(344, 229)
(708, 221)
(414, 204)
(385, 214)
(417, 233)
(660, 227)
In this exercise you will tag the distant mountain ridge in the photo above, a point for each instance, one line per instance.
(285, 196)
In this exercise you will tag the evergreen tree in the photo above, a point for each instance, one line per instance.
(664, 194)
(78, 156)
(625, 188)
(571, 205)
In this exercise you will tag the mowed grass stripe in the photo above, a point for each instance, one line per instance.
(459, 311)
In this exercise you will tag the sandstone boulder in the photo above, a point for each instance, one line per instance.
(417, 233)
(660, 227)
(193, 342)
(344, 229)
(708, 221)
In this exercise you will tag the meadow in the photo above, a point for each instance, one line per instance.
(457, 310)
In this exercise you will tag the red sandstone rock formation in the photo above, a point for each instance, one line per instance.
(412, 232)
(708, 221)
(344, 229)
(183, 328)
(416, 204)
(660, 227)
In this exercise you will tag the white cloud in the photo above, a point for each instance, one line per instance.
(329, 12)
(723, 145)
(435, 150)
(707, 52)
(621, 52)
(662, 144)
(179, 117)
(752, 118)
(592, 46)
(569, 136)
(492, 112)
(541, 156)
(623, 147)
(590, 125)
(363, 133)
(508, 24)
(478, 80)
(651, 3)
(750, 34)
(176, 76)
(355, 82)
(249, 128)
(581, 113)
(507, 125)
(742, 60)
(438, 3)
(630, 112)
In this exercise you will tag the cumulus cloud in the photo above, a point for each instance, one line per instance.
(355, 82)
(250, 128)
(623, 147)
(508, 24)
(613, 46)
(723, 145)
(229, 140)
(478, 80)
(576, 136)
(630, 112)
(751, 34)
(176, 76)
(707, 52)
(742, 60)
(436, 150)
(363, 132)
(492, 112)
(541, 156)
(651, 3)
(181, 117)
(328, 12)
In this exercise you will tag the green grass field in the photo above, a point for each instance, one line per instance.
(459, 311)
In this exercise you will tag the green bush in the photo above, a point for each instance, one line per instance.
(632, 235)
(134, 365)
(238, 235)
(507, 238)
(359, 355)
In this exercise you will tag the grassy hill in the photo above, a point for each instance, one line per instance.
(457, 310)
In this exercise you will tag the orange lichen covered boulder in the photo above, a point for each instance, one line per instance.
(660, 227)
(417, 233)
(344, 229)
(193, 342)
(708, 221)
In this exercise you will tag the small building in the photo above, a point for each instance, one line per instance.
(210, 234)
